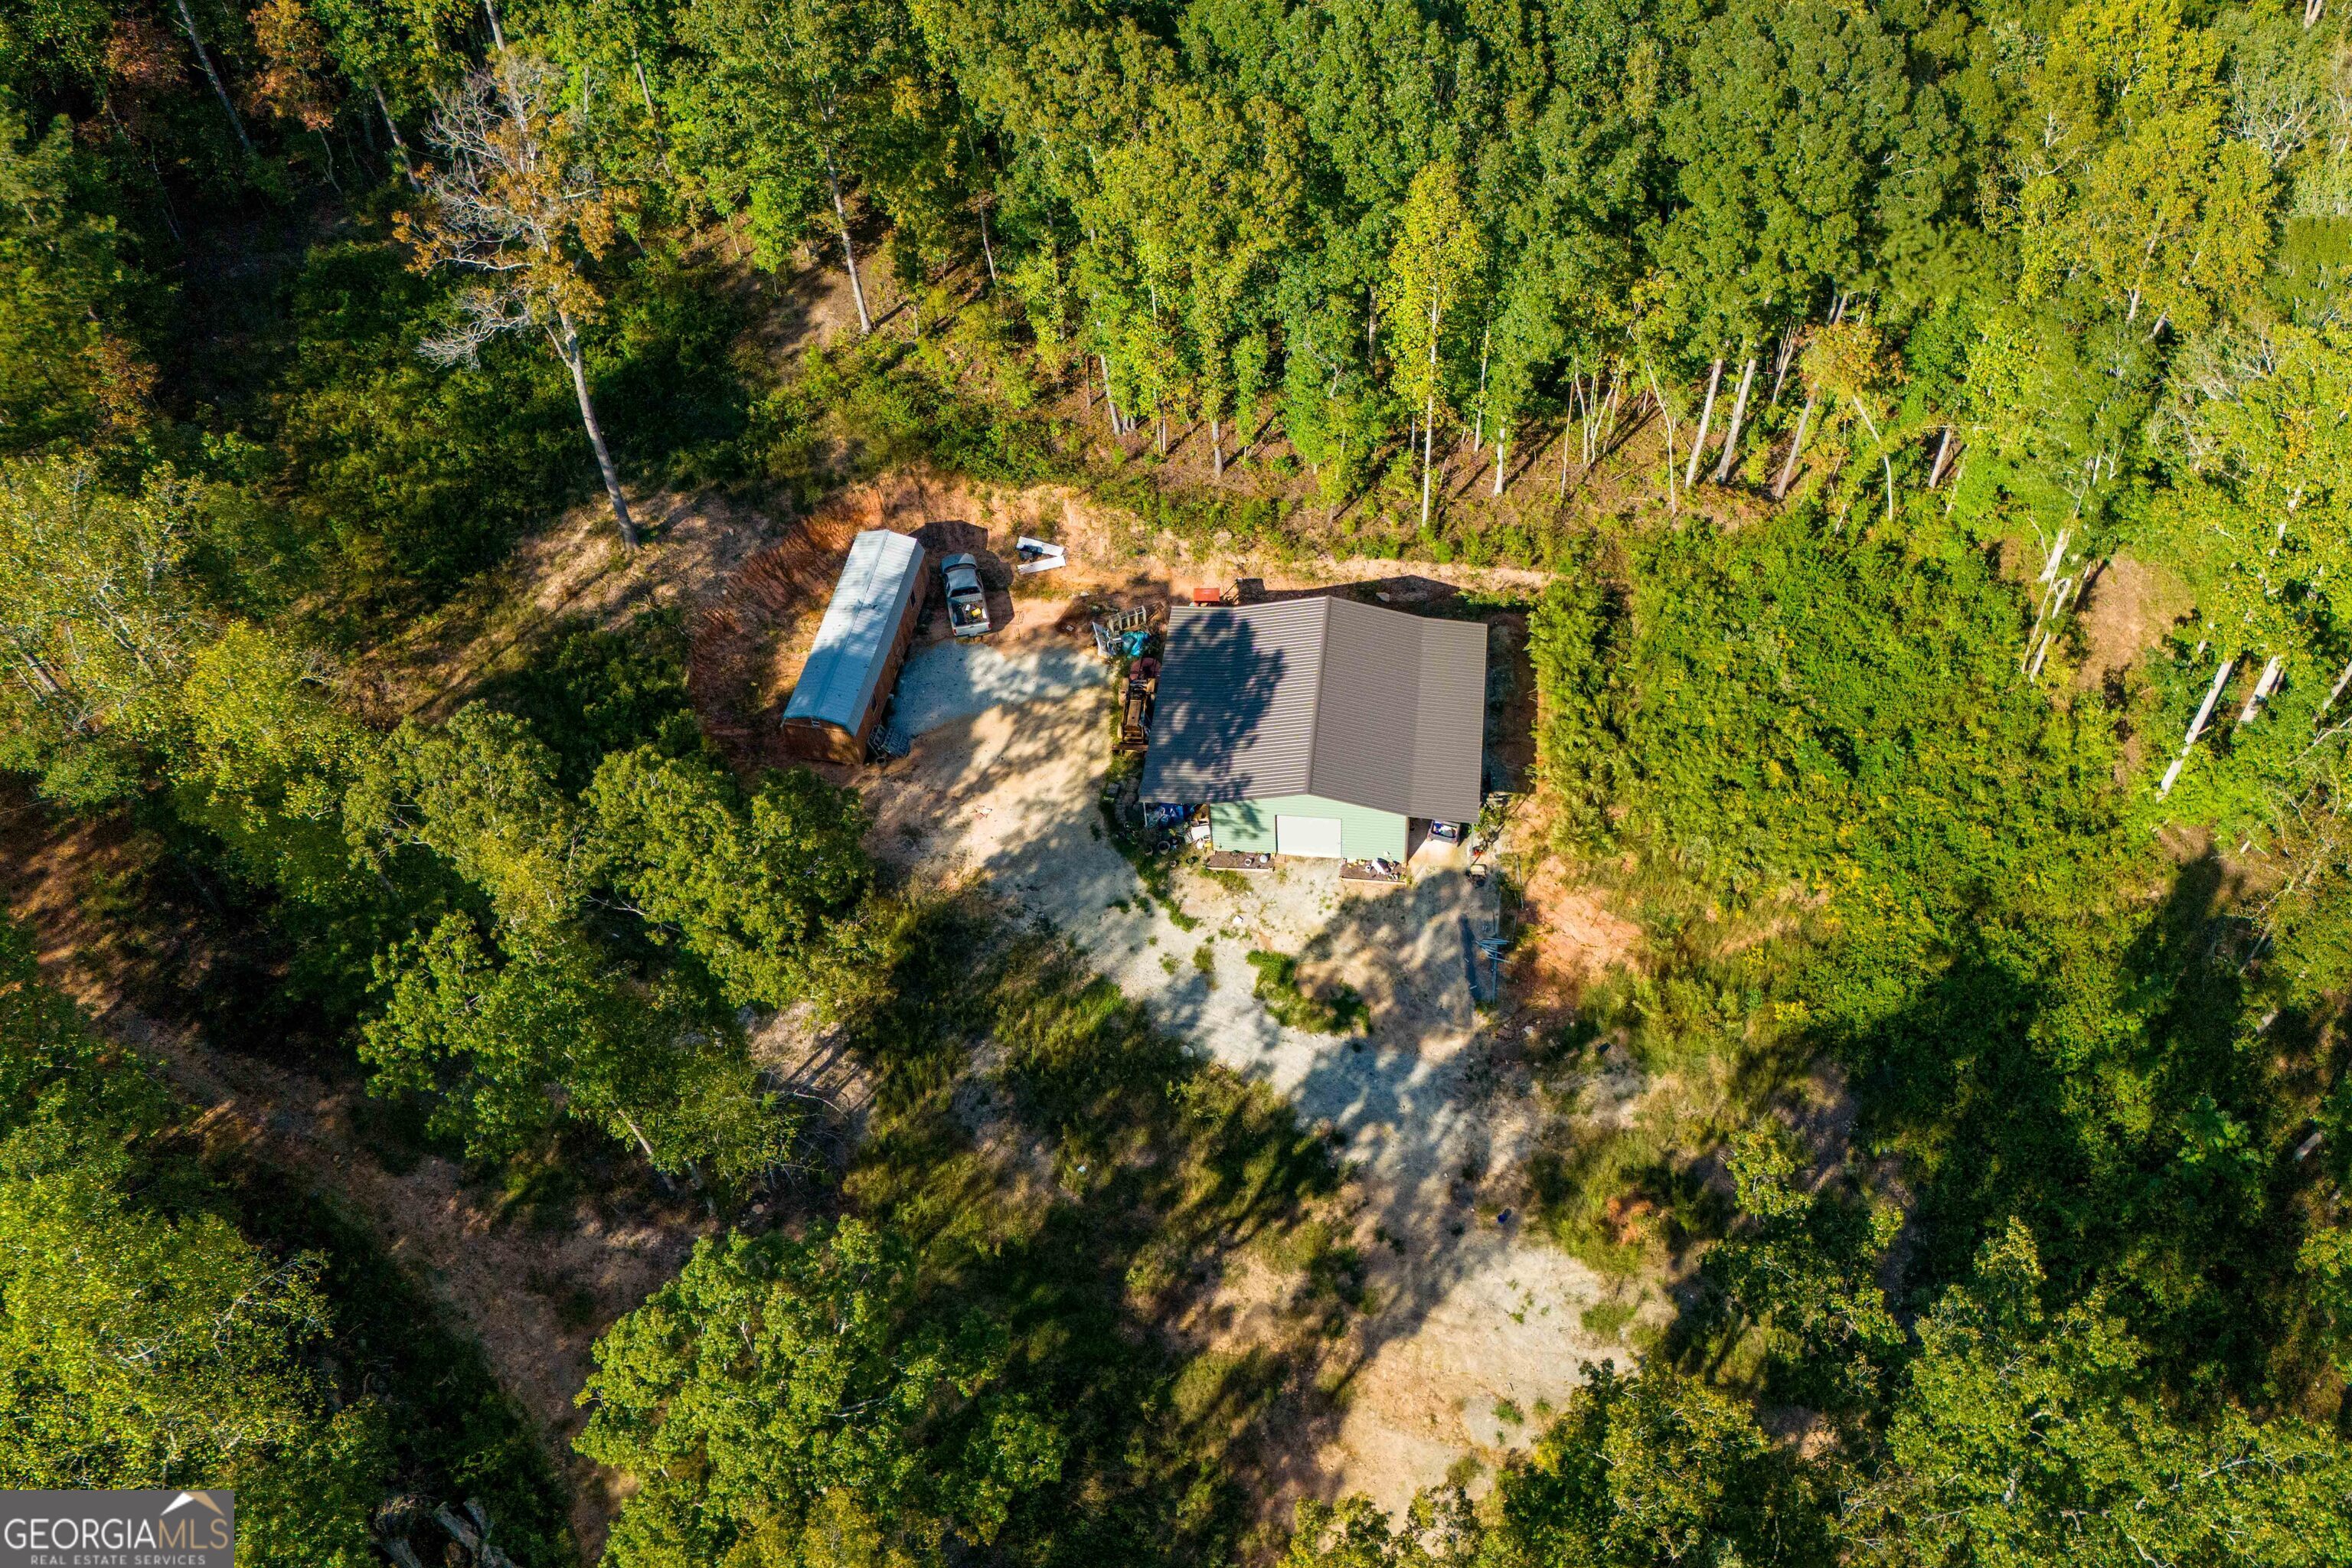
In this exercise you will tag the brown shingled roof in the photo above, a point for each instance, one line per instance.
(1323, 697)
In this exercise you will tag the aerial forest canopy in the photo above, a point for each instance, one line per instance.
(1919, 433)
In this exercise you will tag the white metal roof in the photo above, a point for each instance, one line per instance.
(878, 583)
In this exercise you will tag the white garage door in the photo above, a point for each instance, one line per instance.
(1308, 835)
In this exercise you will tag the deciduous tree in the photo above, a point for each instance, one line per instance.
(1435, 259)
(518, 205)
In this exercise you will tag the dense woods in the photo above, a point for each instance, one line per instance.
(1828, 358)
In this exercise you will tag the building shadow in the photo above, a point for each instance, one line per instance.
(1217, 691)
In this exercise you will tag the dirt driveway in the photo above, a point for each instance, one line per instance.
(1467, 1314)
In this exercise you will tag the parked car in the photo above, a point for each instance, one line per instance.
(967, 601)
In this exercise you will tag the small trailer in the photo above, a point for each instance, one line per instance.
(1135, 717)
(837, 706)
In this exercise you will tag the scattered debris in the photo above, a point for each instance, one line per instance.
(1039, 555)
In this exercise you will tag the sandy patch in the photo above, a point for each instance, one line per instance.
(1573, 937)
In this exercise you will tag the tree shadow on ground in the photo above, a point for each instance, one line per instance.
(1138, 1172)
(2120, 1096)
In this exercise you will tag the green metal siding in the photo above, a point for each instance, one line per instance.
(1247, 825)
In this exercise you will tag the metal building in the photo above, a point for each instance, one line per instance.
(1318, 726)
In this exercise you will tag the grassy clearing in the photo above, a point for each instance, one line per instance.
(1338, 1010)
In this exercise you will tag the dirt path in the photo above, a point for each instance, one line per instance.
(535, 1297)
(1429, 1106)
(1432, 1112)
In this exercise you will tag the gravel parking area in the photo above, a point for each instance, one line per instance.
(1470, 1312)
(957, 680)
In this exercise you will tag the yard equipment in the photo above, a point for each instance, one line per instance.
(1109, 629)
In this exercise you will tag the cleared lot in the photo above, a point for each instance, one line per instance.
(1466, 1313)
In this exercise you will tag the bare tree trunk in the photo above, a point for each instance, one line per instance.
(1666, 417)
(1478, 434)
(326, 153)
(2333, 692)
(204, 58)
(2268, 679)
(1884, 457)
(1707, 413)
(575, 360)
(163, 202)
(1429, 420)
(2195, 727)
(1502, 444)
(1739, 415)
(1780, 370)
(1789, 468)
(987, 250)
(399, 146)
(638, 1133)
(1943, 451)
(1216, 449)
(2311, 14)
(497, 36)
(653, 115)
(848, 250)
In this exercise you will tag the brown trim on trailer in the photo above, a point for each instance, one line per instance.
(818, 741)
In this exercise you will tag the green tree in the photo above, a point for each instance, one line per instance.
(2026, 1433)
(1805, 1267)
(98, 620)
(71, 369)
(481, 793)
(763, 888)
(1435, 259)
(786, 105)
(773, 1382)
(1642, 1470)
(145, 1347)
(1807, 158)
(2126, 178)
(509, 1044)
